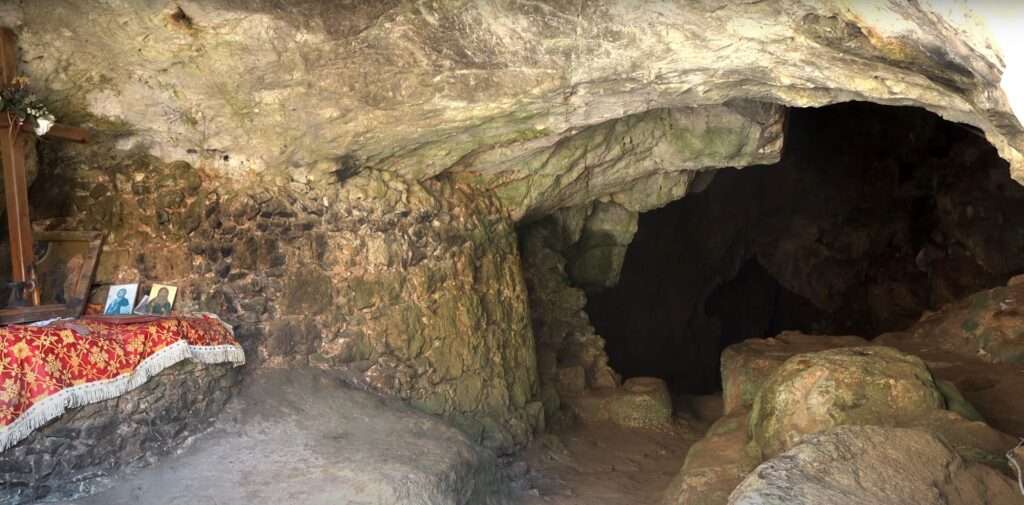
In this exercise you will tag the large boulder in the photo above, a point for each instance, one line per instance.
(988, 325)
(746, 366)
(870, 465)
(814, 392)
(974, 441)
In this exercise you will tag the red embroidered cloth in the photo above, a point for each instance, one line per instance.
(44, 370)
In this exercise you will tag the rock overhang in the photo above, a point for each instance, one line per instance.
(498, 90)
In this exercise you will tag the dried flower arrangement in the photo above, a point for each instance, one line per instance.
(22, 106)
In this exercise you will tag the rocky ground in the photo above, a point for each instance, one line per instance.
(921, 416)
(303, 436)
(613, 446)
(604, 464)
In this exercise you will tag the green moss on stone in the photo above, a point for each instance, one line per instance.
(956, 401)
(308, 291)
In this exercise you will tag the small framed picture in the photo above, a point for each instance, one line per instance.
(159, 301)
(65, 263)
(120, 300)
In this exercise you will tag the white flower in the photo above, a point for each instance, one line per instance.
(43, 124)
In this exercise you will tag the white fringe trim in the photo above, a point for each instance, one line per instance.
(83, 394)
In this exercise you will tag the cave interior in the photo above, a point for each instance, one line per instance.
(521, 252)
(874, 216)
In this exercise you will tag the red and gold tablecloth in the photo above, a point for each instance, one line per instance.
(46, 370)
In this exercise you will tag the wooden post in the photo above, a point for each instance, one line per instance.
(8, 56)
(19, 225)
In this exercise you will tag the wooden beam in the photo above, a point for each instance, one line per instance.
(57, 131)
(70, 133)
(8, 56)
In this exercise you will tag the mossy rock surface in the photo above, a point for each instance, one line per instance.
(974, 441)
(986, 325)
(645, 403)
(815, 392)
(746, 366)
(641, 402)
(956, 402)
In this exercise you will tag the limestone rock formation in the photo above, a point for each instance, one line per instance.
(415, 289)
(873, 465)
(342, 180)
(985, 326)
(973, 440)
(301, 435)
(595, 260)
(814, 392)
(641, 402)
(638, 162)
(472, 86)
(747, 366)
(873, 215)
(570, 355)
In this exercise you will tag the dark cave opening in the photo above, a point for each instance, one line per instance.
(873, 216)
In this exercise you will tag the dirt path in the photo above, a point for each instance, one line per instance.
(604, 464)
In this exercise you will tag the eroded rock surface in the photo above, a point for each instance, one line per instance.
(413, 288)
(641, 402)
(986, 326)
(817, 391)
(747, 366)
(303, 436)
(473, 86)
(570, 355)
(873, 216)
(87, 446)
(873, 465)
(800, 392)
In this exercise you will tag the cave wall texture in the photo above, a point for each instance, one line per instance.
(413, 288)
(219, 125)
(873, 216)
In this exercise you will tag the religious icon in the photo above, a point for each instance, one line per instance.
(120, 299)
(159, 301)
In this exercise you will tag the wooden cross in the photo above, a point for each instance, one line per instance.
(15, 180)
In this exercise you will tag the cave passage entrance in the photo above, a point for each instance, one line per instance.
(873, 215)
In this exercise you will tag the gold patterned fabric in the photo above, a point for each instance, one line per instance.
(74, 363)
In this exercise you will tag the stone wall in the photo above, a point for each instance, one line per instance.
(72, 454)
(570, 354)
(414, 288)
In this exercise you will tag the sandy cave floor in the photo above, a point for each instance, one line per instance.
(605, 464)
